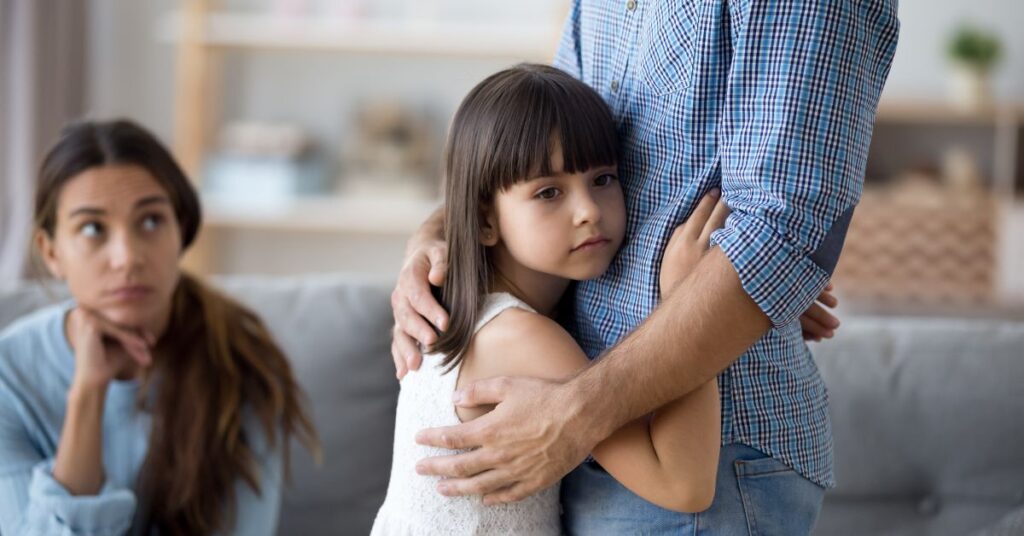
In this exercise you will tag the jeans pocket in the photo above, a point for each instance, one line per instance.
(776, 499)
(667, 48)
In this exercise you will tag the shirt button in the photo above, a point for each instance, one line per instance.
(631, 5)
(615, 86)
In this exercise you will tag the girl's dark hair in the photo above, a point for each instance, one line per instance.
(215, 370)
(504, 133)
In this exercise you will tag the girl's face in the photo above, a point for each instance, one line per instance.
(116, 243)
(565, 225)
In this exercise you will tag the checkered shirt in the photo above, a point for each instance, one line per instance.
(773, 101)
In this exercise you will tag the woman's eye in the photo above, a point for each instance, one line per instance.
(151, 222)
(91, 229)
(547, 193)
(604, 180)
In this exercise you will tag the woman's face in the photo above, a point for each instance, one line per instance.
(116, 243)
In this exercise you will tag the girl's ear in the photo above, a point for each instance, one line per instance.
(488, 226)
(47, 252)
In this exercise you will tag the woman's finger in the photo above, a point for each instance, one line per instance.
(133, 343)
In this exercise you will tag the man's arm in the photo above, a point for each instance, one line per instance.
(793, 142)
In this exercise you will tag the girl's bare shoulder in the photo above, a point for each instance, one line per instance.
(524, 343)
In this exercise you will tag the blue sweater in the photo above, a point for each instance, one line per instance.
(36, 368)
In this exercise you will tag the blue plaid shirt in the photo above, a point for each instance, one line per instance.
(774, 101)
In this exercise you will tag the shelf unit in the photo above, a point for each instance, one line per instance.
(1004, 123)
(322, 214)
(922, 246)
(204, 34)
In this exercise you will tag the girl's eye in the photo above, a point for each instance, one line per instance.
(604, 180)
(151, 222)
(91, 229)
(547, 193)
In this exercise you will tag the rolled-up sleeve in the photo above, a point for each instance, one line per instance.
(52, 510)
(804, 83)
(33, 503)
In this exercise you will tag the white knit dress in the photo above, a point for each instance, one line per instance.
(413, 506)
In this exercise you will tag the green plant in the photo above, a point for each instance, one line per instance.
(975, 48)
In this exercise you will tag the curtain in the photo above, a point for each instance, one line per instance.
(42, 56)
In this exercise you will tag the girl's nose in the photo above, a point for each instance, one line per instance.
(587, 209)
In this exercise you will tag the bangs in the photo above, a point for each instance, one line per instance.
(537, 107)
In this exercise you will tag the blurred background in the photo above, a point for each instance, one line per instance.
(314, 129)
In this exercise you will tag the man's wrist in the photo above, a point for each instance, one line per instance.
(586, 407)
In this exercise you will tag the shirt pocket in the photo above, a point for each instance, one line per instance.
(668, 45)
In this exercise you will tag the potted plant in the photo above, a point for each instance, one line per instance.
(973, 52)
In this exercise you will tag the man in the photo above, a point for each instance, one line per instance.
(774, 101)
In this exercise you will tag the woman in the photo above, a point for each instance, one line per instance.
(148, 403)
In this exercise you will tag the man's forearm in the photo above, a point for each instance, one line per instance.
(706, 323)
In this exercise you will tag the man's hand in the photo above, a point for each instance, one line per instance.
(412, 303)
(521, 447)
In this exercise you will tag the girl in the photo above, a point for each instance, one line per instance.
(532, 204)
(148, 403)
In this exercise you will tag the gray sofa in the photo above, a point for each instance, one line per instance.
(928, 414)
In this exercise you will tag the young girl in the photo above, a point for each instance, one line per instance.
(533, 203)
(148, 403)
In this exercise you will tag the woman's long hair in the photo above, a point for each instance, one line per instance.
(502, 134)
(217, 376)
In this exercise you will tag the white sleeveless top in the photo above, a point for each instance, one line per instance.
(413, 506)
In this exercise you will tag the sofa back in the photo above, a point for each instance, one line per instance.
(928, 414)
(928, 421)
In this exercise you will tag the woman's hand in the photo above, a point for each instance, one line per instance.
(691, 240)
(104, 350)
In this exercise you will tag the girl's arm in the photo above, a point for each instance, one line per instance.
(669, 458)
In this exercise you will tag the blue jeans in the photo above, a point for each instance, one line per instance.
(755, 495)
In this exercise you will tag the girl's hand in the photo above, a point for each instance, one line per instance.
(104, 350)
(691, 240)
(816, 322)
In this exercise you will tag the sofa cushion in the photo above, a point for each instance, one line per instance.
(927, 424)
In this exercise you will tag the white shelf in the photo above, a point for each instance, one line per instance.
(523, 41)
(321, 214)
